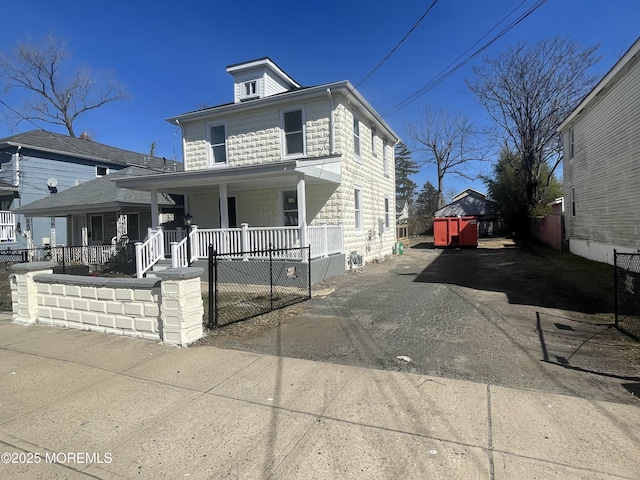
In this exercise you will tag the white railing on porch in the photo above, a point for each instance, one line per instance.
(173, 236)
(149, 252)
(325, 240)
(87, 255)
(7, 227)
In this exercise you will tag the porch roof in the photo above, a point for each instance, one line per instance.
(249, 177)
(99, 195)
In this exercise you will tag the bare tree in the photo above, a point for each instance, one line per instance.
(448, 141)
(50, 95)
(528, 91)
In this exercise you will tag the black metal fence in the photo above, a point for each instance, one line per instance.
(627, 292)
(269, 280)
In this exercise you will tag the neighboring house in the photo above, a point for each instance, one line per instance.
(296, 165)
(38, 165)
(602, 164)
(471, 203)
(402, 211)
(99, 213)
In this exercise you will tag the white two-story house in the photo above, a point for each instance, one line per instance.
(286, 165)
(602, 164)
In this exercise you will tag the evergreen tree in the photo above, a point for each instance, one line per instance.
(405, 166)
(426, 204)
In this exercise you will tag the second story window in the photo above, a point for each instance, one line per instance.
(373, 140)
(101, 171)
(293, 128)
(385, 157)
(356, 137)
(571, 148)
(218, 140)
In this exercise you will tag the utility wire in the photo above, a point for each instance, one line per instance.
(446, 73)
(398, 44)
(20, 115)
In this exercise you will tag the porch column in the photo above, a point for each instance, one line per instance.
(302, 210)
(85, 239)
(121, 226)
(52, 238)
(224, 207)
(155, 217)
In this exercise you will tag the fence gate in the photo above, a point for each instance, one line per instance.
(627, 292)
(246, 284)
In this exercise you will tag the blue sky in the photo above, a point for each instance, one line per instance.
(172, 55)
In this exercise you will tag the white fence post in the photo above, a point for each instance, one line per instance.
(244, 241)
(139, 273)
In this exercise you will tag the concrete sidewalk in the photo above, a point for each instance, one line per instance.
(103, 406)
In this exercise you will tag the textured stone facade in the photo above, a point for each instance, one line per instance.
(169, 310)
(255, 136)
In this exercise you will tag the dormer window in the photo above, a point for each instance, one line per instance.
(249, 90)
(101, 171)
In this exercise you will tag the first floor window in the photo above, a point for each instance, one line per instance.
(293, 133)
(290, 208)
(386, 215)
(573, 201)
(96, 228)
(218, 144)
(133, 227)
(357, 193)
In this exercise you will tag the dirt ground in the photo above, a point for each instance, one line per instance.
(506, 313)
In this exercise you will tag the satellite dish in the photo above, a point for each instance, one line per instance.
(52, 183)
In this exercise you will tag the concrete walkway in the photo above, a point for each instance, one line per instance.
(86, 405)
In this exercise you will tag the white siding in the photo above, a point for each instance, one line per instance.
(605, 170)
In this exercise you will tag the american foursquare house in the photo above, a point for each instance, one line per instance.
(282, 166)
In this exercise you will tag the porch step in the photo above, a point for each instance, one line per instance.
(160, 265)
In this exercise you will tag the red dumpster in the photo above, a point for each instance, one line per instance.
(455, 232)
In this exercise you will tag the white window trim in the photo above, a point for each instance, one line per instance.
(105, 168)
(385, 157)
(358, 229)
(387, 213)
(256, 94)
(357, 156)
(210, 159)
(283, 138)
(572, 148)
(374, 136)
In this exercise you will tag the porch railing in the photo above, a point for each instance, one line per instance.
(7, 227)
(173, 236)
(237, 242)
(149, 252)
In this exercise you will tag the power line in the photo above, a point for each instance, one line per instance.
(447, 72)
(398, 44)
(21, 116)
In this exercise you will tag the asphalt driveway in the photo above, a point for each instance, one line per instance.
(520, 316)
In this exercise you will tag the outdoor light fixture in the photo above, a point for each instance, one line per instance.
(187, 220)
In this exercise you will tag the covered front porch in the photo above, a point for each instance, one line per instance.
(246, 210)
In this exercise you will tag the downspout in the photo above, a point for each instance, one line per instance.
(332, 149)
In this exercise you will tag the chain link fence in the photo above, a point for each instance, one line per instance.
(269, 280)
(627, 292)
(97, 260)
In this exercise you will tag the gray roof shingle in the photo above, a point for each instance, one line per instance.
(100, 194)
(86, 149)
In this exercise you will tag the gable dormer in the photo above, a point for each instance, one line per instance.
(258, 79)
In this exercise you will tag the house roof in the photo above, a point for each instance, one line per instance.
(100, 194)
(469, 191)
(617, 71)
(262, 62)
(344, 88)
(6, 187)
(469, 205)
(284, 173)
(56, 143)
(400, 204)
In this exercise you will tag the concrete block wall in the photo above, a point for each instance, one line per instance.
(169, 310)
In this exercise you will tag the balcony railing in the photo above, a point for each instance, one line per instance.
(7, 227)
